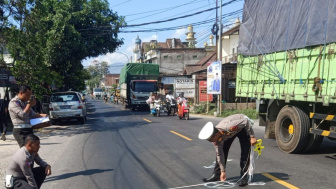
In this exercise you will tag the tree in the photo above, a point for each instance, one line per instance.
(52, 37)
(97, 73)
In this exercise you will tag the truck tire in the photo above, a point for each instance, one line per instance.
(269, 130)
(292, 129)
(314, 142)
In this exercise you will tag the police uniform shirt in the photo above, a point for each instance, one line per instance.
(22, 163)
(16, 111)
(232, 125)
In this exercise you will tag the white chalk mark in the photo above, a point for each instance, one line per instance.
(210, 166)
(219, 184)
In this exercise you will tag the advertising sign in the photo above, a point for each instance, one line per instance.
(6, 78)
(187, 86)
(214, 78)
(203, 92)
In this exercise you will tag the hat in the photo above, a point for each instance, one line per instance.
(207, 131)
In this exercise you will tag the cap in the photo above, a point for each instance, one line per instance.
(206, 132)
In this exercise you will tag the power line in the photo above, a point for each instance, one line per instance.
(185, 16)
(182, 26)
(164, 10)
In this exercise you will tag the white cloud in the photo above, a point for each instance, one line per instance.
(180, 33)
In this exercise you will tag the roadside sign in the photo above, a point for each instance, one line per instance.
(214, 77)
(203, 96)
(187, 86)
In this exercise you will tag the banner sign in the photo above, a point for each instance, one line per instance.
(187, 86)
(214, 77)
(203, 96)
(6, 78)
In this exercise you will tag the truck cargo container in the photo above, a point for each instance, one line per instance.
(287, 63)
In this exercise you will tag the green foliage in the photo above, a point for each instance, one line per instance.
(50, 38)
(251, 113)
(202, 108)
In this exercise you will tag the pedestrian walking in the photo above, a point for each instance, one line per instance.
(21, 167)
(20, 112)
(222, 136)
(3, 118)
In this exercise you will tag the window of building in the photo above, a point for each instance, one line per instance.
(165, 57)
(194, 56)
(179, 56)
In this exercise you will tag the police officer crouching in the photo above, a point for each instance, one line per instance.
(222, 136)
(21, 166)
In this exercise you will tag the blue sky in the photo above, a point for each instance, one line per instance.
(145, 11)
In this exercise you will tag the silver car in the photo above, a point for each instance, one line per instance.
(66, 106)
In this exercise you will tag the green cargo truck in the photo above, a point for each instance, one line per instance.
(287, 63)
(137, 81)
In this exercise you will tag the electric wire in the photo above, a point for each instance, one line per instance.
(180, 17)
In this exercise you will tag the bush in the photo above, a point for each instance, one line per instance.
(251, 113)
(202, 108)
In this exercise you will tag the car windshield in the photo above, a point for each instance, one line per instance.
(97, 90)
(64, 97)
(145, 86)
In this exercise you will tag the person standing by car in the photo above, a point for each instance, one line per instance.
(20, 112)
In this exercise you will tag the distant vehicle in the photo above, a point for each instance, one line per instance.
(66, 106)
(97, 93)
(137, 81)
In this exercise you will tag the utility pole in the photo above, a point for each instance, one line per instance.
(219, 49)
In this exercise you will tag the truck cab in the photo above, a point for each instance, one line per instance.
(97, 93)
(140, 91)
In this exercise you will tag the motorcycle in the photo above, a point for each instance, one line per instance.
(171, 106)
(183, 110)
(157, 108)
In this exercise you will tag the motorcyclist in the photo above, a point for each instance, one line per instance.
(105, 97)
(152, 98)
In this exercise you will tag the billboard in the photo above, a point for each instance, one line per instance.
(187, 86)
(214, 77)
(203, 96)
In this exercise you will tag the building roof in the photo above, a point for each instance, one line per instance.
(167, 45)
(201, 65)
(232, 30)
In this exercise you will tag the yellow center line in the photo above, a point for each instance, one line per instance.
(286, 184)
(147, 120)
(178, 134)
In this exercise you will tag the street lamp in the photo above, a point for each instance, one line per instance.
(123, 54)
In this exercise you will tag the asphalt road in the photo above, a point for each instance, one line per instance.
(121, 149)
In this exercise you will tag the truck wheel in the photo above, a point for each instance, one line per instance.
(132, 107)
(269, 130)
(291, 129)
(186, 116)
(314, 141)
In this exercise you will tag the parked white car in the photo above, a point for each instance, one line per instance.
(66, 106)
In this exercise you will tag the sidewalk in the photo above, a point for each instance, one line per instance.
(53, 140)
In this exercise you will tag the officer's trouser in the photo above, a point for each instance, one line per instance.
(20, 135)
(245, 145)
(39, 176)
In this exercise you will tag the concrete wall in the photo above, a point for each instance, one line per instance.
(173, 61)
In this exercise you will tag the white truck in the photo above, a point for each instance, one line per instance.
(97, 93)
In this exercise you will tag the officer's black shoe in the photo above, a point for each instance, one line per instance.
(243, 181)
(214, 177)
